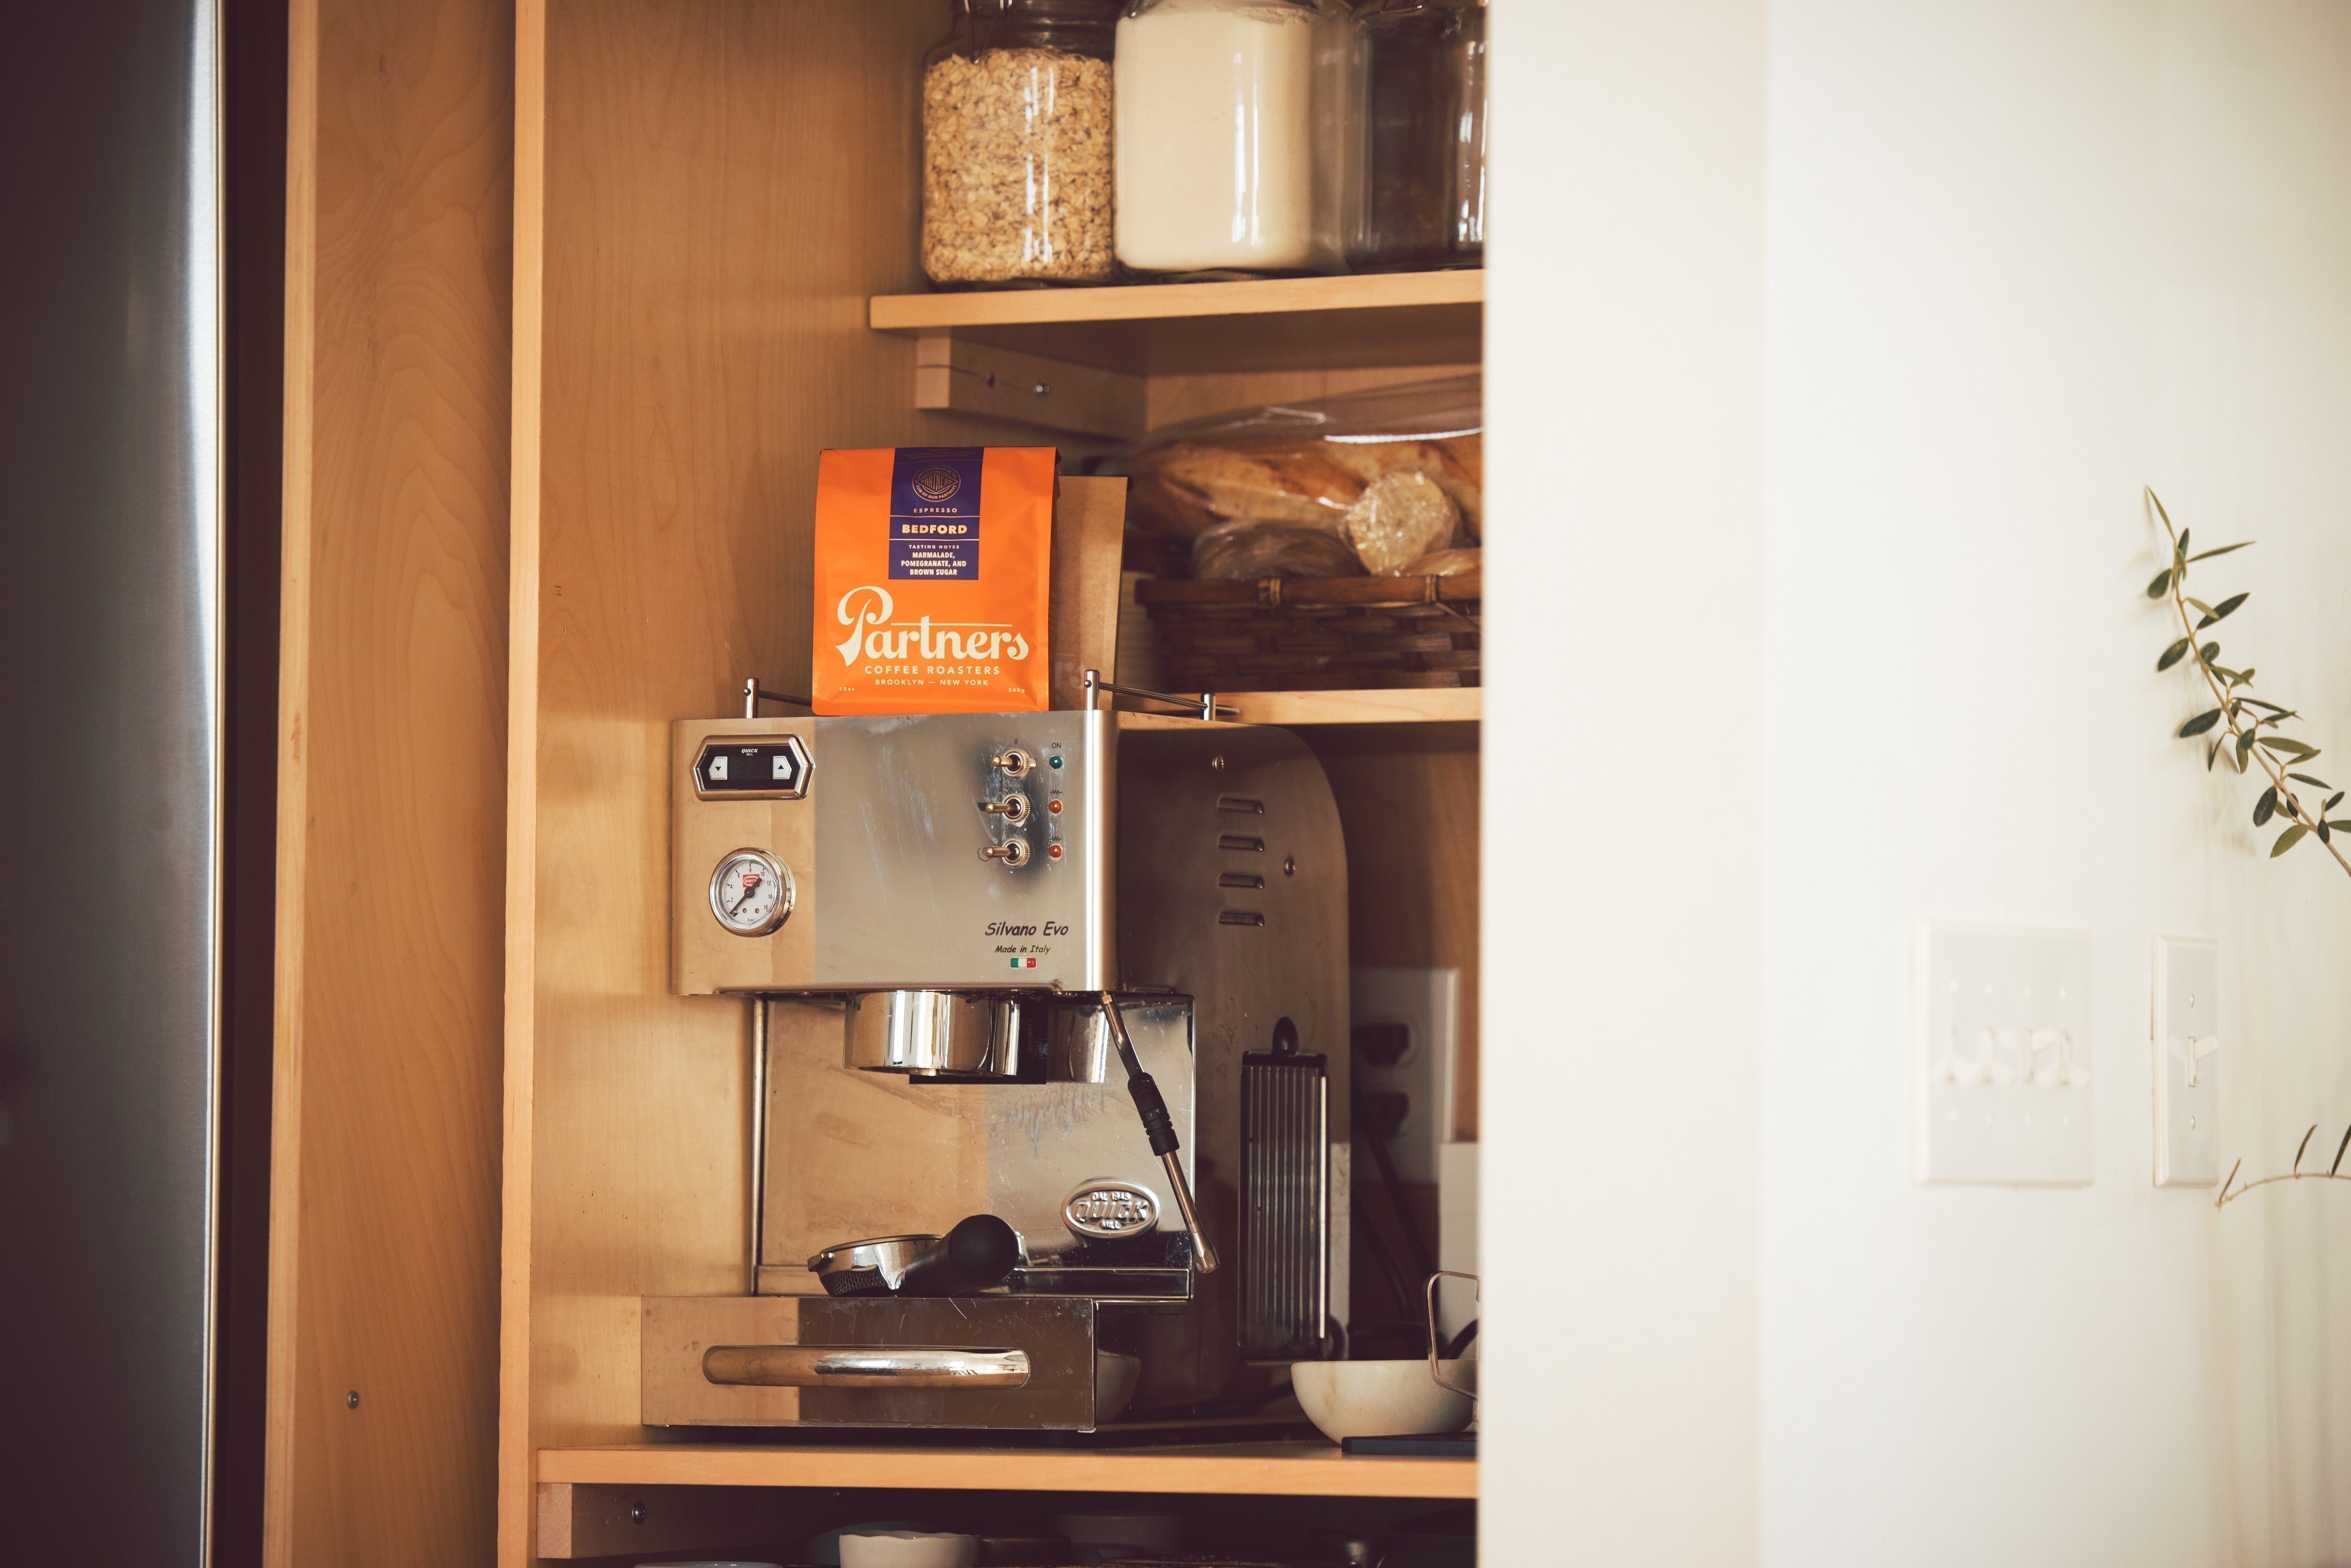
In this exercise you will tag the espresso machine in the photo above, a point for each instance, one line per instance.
(1047, 1066)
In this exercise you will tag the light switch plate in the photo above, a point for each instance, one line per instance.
(2187, 1056)
(2004, 1091)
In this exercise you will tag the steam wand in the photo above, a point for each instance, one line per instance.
(1160, 1127)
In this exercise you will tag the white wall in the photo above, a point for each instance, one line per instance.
(2025, 257)
(1621, 858)
(2019, 259)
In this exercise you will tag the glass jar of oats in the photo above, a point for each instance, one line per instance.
(1017, 146)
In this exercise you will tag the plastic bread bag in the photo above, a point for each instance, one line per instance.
(1248, 551)
(1312, 464)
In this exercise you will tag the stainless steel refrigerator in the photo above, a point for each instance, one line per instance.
(141, 179)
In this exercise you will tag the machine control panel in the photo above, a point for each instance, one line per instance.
(752, 771)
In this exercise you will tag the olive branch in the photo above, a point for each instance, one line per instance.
(2332, 1173)
(2253, 733)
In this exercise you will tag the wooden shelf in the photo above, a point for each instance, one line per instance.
(1441, 705)
(1270, 1469)
(1184, 328)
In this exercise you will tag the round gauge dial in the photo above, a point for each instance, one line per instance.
(751, 892)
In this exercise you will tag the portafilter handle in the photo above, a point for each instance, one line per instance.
(975, 1256)
(1160, 1127)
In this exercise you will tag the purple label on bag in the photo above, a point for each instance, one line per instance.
(934, 514)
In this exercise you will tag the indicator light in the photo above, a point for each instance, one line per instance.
(1052, 851)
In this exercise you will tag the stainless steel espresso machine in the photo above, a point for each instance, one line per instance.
(1049, 1066)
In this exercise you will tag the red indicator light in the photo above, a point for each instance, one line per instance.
(1052, 851)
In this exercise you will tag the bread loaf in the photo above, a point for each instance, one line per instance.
(1185, 488)
(1247, 551)
(1400, 516)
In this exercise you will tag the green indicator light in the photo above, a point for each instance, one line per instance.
(1056, 761)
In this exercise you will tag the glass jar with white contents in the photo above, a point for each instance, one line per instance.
(1234, 143)
(1017, 146)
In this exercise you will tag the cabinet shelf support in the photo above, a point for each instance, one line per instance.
(956, 373)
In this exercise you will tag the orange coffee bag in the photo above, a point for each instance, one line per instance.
(934, 578)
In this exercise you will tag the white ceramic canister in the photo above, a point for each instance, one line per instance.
(1234, 145)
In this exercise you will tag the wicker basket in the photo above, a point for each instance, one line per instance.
(1315, 633)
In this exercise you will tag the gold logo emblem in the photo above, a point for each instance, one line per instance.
(935, 483)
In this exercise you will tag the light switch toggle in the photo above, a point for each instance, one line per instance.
(2005, 1056)
(2064, 1072)
(2191, 1050)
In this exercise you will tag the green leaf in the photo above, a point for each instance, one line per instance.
(2305, 1143)
(2161, 585)
(2281, 713)
(2306, 778)
(2210, 752)
(2332, 801)
(2245, 748)
(2173, 655)
(2287, 839)
(2200, 604)
(2345, 1144)
(2288, 746)
(2265, 808)
(2158, 502)
(2211, 651)
(2224, 550)
(2223, 610)
(2199, 724)
(2339, 823)
(2326, 834)
(2180, 548)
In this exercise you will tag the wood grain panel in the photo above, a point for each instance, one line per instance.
(1410, 822)
(1307, 1469)
(629, 1521)
(384, 1201)
(1263, 324)
(707, 193)
(1089, 530)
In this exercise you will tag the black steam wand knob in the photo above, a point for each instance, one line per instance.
(1160, 1127)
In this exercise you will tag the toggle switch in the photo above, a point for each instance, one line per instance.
(2185, 1034)
(1013, 809)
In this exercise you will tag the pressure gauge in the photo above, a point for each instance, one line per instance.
(751, 892)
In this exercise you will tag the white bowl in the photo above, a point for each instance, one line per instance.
(1382, 1398)
(907, 1548)
(1115, 1380)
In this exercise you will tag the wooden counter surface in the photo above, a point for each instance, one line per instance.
(1295, 1470)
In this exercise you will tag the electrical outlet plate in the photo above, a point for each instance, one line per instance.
(2187, 1038)
(2004, 1089)
(1426, 1002)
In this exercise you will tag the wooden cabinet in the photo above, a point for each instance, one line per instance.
(713, 278)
